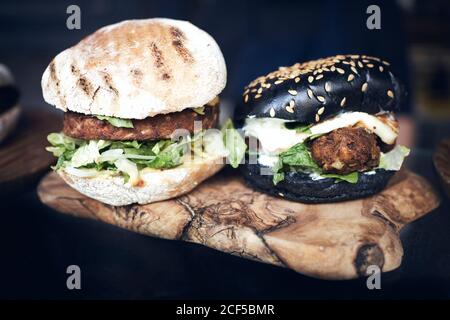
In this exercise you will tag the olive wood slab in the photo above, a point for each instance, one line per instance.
(328, 241)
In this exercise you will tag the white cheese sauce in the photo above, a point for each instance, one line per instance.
(274, 137)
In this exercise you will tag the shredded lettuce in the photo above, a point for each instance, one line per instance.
(393, 159)
(234, 143)
(129, 169)
(117, 122)
(127, 157)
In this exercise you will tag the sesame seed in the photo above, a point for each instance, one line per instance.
(341, 71)
(257, 96)
(259, 90)
(369, 65)
(321, 110)
(390, 94)
(333, 68)
(366, 61)
(310, 79)
(381, 68)
(364, 87)
(360, 64)
(292, 103)
(386, 63)
(280, 194)
(310, 93)
(292, 92)
(345, 62)
(268, 85)
(297, 79)
(289, 109)
(350, 77)
(317, 118)
(352, 63)
(272, 112)
(278, 81)
(253, 90)
(321, 99)
(320, 76)
(354, 70)
(343, 101)
(327, 86)
(246, 98)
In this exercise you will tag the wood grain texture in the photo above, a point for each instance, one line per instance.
(441, 160)
(329, 241)
(23, 158)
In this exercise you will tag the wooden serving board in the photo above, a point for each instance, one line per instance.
(23, 158)
(329, 241)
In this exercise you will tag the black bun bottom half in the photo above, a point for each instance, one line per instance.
(298, 186)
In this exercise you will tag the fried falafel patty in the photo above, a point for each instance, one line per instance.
(161, 126)
(346, 150)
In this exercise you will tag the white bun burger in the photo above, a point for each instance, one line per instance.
(126, 91)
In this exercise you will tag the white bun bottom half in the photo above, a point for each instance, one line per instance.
(8, 121)
(157, 184)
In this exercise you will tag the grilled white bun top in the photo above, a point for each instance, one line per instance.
(135, 69)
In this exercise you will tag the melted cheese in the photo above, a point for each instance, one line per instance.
(274, 137)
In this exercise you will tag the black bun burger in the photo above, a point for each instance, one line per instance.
(325, 130)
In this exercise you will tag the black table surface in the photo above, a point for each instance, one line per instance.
(38, 244)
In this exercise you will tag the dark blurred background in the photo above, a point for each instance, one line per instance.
(256, 37)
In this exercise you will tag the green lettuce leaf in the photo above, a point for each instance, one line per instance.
(278, 174)
(200, 110)
(351, 177)
(62, 147)
(298, 156)
(234, 143)
(117, 122)
(300, 128)
(393, 159)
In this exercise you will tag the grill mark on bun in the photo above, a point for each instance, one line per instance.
(109, 83)
(137, 75)
(177, 42)
(159, 61)
(54, 79)
(86, 86)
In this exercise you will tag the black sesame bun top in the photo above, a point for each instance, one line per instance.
(313, 91)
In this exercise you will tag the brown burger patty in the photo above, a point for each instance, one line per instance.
(161, 126)
(346, 150)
